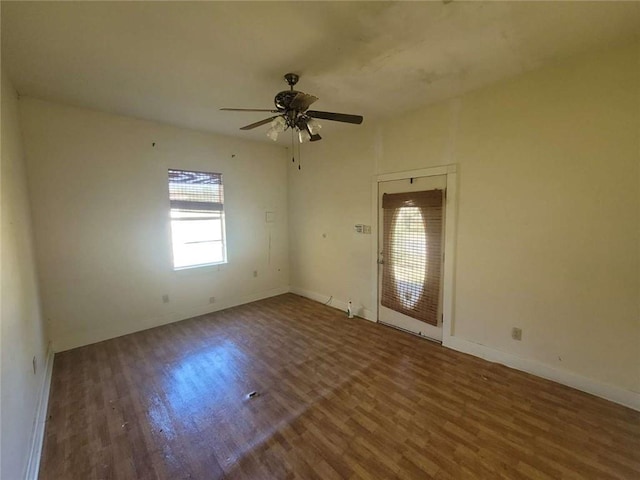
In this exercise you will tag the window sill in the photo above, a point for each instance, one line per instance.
(202, 268)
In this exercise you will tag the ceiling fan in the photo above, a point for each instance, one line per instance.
(292, 112)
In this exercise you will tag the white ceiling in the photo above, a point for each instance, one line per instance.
(179, 62)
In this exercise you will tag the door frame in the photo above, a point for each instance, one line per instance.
(451, 173)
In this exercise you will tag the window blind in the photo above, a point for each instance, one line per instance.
(191, 191)
(412, 252)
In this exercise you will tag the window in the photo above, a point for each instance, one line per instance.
(408, 255)
(197, 218)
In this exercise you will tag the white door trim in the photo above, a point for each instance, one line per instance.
(449, 238)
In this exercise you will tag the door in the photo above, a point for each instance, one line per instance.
(410, 248)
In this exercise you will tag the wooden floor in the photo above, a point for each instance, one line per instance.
(338, 398)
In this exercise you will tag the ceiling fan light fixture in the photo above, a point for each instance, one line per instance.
(304, 136)
(314, 126)
(272, 133)
(279, 124)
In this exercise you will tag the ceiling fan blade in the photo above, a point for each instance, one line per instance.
(315, 138)
(249, 110)
(336, 117)
(302, 101)
(258, 124)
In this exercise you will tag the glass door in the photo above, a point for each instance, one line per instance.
(410, 246)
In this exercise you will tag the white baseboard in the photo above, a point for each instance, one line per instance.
(37, 435)
(615, 394)
(337, 303)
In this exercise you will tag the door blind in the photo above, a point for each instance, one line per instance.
(412, 253)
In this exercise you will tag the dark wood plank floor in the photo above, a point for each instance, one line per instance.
(338, 399)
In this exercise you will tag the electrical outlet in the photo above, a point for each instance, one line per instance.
(516, 333)
(34, 362)
(212, 299)
(165, 298)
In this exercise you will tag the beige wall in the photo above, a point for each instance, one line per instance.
(99, 194)
(327, 197)
(22, 335)
(548, 230)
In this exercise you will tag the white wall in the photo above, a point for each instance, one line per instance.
(100, 206)
(327, 197)
(548, 230)
(22, 335)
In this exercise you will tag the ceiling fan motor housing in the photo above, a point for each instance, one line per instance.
(283, 99)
